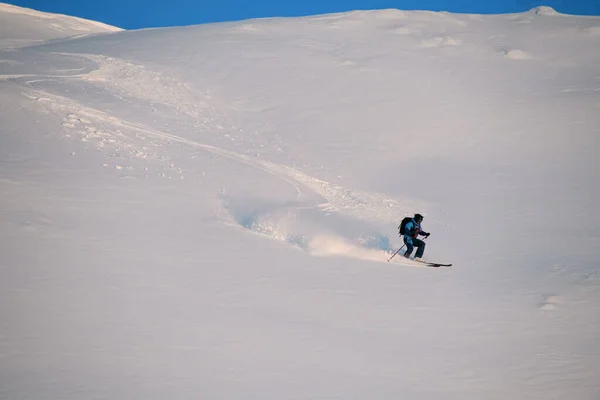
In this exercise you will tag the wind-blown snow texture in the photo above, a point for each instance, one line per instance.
(21, 27)
(207, 211)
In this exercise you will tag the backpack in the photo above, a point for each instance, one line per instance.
(402, 226)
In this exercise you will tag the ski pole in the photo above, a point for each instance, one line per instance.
(398, 251)
(393, 255)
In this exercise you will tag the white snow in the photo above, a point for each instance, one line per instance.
(544, 11)
(21, 26)
(207, 211)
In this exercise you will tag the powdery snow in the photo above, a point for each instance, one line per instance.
(21, 27)
(207, 211)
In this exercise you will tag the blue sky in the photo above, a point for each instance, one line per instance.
(133, 14)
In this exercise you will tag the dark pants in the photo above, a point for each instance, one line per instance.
(419, 244)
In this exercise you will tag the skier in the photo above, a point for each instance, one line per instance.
(412, 230)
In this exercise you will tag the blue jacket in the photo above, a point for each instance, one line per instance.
(411, 230)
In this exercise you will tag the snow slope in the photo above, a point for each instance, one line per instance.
(23, 26)
(207, 211)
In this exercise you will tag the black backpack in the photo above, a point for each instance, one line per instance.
(405, 221)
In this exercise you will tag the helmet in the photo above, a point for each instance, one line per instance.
(418, 217)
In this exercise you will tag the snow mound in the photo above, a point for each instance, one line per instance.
(515, 54)
(440, 41)
(544, 11)
(550, 302)
(23, 27)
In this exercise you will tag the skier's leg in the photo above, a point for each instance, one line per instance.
(409, 248)
(420, 247)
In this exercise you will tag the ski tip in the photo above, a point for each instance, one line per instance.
(436, 265)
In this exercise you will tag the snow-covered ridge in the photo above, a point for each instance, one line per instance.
(21, 26)
(9, 8)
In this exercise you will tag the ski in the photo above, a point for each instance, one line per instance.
(427, 263)
(436, 265)
(433, 264)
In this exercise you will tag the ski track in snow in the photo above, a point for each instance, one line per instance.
(120, 138)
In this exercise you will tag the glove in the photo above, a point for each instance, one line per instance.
(427, 235)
